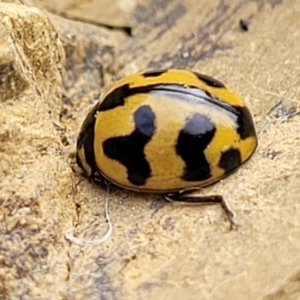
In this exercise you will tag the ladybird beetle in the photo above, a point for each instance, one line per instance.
(169, 132)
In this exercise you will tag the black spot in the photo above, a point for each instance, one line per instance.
(230, 160)
(208, 94)
(245, 123)
(243, 25)
(154, 73)
(144, 120)
(192, 141)
(209, 80)
(129, 150)
(116, 98)
(86, 139)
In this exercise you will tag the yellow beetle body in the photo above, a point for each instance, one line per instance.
(166, 131)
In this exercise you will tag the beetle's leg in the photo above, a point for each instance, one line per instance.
(184, 196)
(103, 182)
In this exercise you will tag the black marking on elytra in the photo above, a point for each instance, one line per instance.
(154, 73)
(144, 120)
(208, 94)
(86, 140)
(129, 150)
(209, 80)
(193, 139)
(116, 98)
(245, 123)
(230, 160)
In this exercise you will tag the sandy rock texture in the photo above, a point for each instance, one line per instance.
(55, 60)
(31, 157)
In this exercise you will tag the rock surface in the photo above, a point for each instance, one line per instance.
(52, 70)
